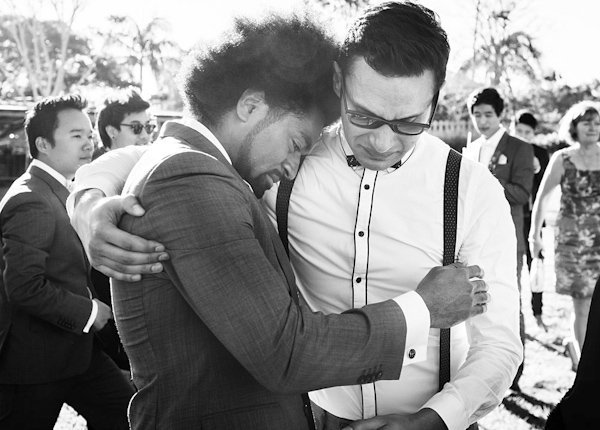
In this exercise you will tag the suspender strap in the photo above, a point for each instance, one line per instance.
(281, 211)
(450, 219)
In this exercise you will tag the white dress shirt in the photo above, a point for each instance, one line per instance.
(359, 236)
(488, 146)
(66, 183)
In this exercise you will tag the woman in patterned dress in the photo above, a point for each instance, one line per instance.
(577, 253)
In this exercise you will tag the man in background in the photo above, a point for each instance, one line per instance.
(47, 310)
(511, 161)
(523, 126)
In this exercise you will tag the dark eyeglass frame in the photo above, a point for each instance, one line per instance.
(396, 125)
(137, 127)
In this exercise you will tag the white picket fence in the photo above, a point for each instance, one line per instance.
(451, 130)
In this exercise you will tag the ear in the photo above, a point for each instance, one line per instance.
(337, 79)
(250, 105)
(42, 144)
(111, 131)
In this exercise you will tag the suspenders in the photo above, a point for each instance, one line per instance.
(450, 219)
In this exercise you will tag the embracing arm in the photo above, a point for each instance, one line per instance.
(495, 348)
(94, 217)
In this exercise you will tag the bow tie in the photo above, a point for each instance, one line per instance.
(353, 162)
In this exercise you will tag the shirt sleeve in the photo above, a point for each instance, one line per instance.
(93, 315)
(108, 173)
(418, 321)
(495, 350)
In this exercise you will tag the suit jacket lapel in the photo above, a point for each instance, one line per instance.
(499, 150)
(57, 188)
(198, 141)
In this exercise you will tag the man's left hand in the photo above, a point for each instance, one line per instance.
(425, 419)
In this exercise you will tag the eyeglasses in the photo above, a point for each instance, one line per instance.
(400, 127)
(137, 127)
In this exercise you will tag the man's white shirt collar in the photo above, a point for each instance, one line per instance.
(494, 139)
(203, 130)
(41, 165)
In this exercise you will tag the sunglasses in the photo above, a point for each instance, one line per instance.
(407, 128)
(137, 127)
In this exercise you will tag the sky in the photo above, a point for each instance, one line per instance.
(566, 32)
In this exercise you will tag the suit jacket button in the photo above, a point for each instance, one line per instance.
(412, 353)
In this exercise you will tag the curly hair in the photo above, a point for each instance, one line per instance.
(289, 58)
(398, 39)
(115, 108)
(42, 119)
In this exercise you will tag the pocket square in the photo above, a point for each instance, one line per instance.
(502, 159)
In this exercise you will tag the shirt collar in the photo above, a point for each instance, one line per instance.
(46, 168)
(203, 130)
(348, 151)
(494, 139)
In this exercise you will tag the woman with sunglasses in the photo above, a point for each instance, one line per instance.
(124, 120)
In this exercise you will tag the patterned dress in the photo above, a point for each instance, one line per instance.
(577, 254)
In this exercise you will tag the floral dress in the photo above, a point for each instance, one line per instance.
(577, 253)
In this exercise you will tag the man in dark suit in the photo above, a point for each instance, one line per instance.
(511, 161)
(47, 313)
(218, 339)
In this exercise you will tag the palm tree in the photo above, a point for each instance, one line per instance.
(502, 56)
(144, 45)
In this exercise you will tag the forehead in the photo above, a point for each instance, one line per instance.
(72, 119)
(389, 97)
(484, 108)
(523, 127)
(141, 117)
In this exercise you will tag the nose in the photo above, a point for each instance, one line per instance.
(383, 139)
(291, 165)
(89, 144)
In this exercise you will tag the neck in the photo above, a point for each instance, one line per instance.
(68, 175)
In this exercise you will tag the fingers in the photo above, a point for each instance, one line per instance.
(128, 277)
(132, 206)
(480, 286)
(109, 239)
(475, 272)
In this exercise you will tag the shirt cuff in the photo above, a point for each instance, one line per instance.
(418, 321)
(88, 326)
(450, 409)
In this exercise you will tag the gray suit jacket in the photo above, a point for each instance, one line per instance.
(217, 340)
(512, 165)
(44, 297)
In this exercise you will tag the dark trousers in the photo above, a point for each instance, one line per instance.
(101, 395)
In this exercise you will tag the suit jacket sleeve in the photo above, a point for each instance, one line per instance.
(518, 181)
(221, 268)
(28, 230)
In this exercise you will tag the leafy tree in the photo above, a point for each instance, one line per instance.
(143, 45)
(503, 55)
(37, 57)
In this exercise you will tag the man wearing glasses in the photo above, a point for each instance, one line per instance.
(124, 120)
(365, 223)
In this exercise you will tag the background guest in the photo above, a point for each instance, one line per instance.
(523, 126)
(124, 120)
(576, 170)
(511, 162)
